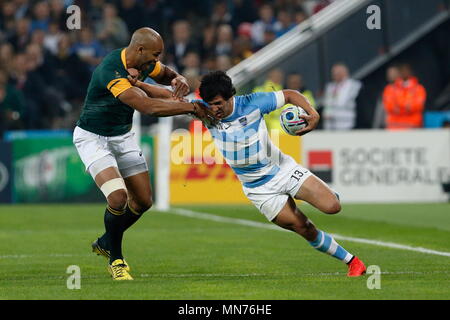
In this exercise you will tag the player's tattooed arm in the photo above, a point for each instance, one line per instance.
(296, 98)
(179, 84)
(138, 100)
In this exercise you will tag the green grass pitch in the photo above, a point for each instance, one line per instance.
(179, 257)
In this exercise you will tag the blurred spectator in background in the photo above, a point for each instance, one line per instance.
(300, 16)
(294, 81)
(274, 82)
(268, 37)
(39, 62)
(111, 30)
(21, 37)
(209, 63)
(379, 119)
(22, 8)
(220, 14)
(242, 45)
(52, 74)
(243, 11)
(24, 79)
(133, 14)
(52, 38)
(208, 43)
(88, 49)
(264, 23)
(340, 100)
(191, 63)
(12, 105)
(7, 19)
(94, 10)
(58, 13)
(404, 100)
(223, 62)
(41, 16)
(181, 44)
(284, 23)
(71, 74)
(224, 40)
(6, 56)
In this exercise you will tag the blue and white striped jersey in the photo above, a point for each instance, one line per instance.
(243, 139)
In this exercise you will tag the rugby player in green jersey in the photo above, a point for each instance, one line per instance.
(107, 146)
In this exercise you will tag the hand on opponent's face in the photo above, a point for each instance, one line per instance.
(204, 113)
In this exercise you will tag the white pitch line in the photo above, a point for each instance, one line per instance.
(249, 275)
(51, 255)
(249, 223)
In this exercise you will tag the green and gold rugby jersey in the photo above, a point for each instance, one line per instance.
(103, 113)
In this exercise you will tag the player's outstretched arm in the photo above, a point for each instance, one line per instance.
(167, 76)
(138, 100)
(151, 90)
(296, 98)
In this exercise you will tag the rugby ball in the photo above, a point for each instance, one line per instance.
(290, 119)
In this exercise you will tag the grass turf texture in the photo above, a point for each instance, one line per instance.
(177, 257)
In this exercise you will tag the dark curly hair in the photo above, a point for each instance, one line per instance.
(216, 83)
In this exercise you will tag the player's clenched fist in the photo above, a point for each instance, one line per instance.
(180, 86)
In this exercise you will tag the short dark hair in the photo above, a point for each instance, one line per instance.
(216, 83)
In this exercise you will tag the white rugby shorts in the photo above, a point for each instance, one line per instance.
(271, 197)
(99, 152)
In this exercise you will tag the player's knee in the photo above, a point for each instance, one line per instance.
(332, 207)
(118, 199)
(143, 205)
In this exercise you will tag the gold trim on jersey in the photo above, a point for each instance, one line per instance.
(117, 86)
(156, 70)
(123, 57)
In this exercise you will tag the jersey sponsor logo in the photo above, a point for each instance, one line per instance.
(243, 121)
(223, 125)
(320, 162)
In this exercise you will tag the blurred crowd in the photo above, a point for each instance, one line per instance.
(45, 67)
(401, 103)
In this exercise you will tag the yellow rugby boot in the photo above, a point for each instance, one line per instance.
(117, 270)
(96, 248)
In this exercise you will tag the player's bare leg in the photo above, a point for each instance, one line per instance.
(318, 194)
(291, 218)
